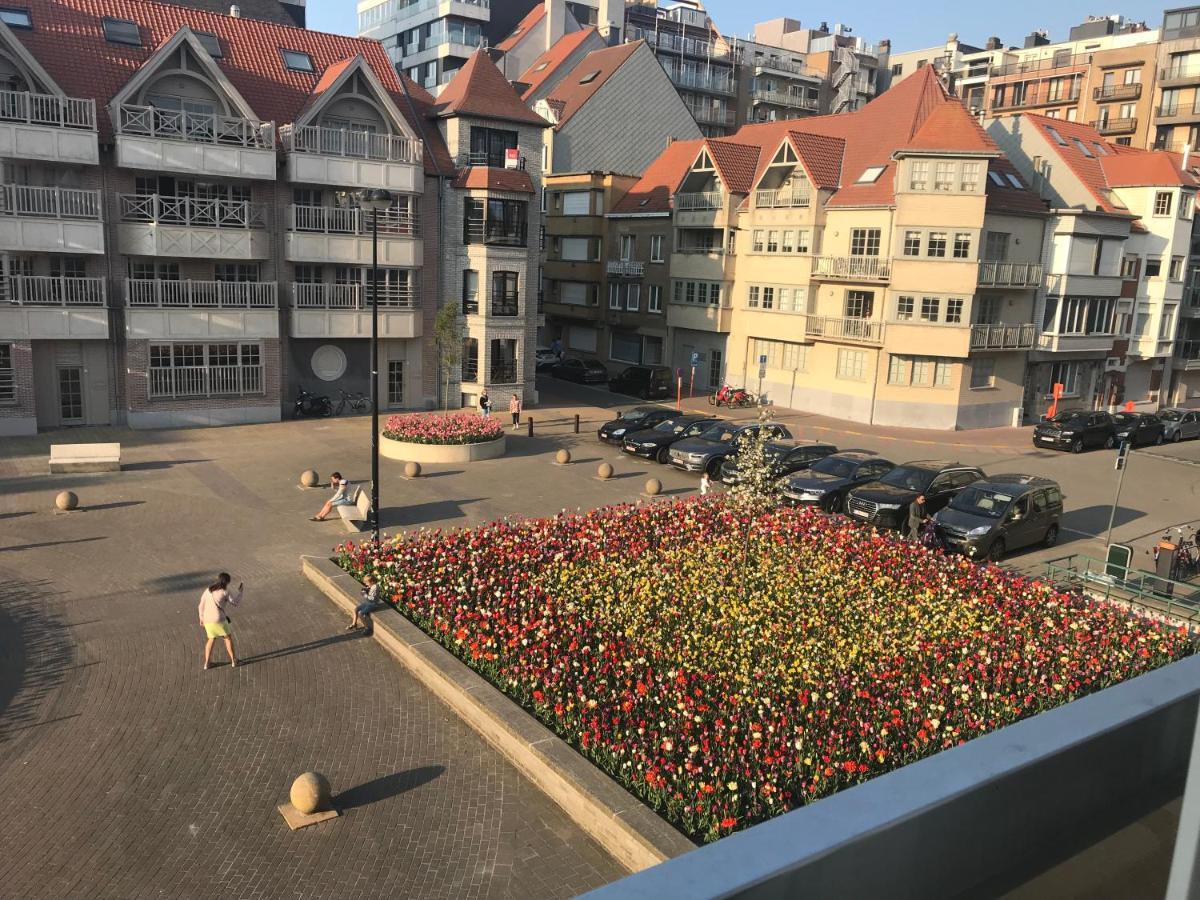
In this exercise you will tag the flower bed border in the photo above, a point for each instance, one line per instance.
(408, 451)
(635, 835)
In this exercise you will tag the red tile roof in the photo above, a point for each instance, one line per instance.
(549, 62)
(485, 179)
(478, 89)
(1146, 168)
(736, 164)
(652, 192)
(1007, 199)
(951, 127)
(68, 41)
(523, 28)
(1087, 168)
(821, 157)
(570, 94)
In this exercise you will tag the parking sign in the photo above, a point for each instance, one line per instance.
(695, 358)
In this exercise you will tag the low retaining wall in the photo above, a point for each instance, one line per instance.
(631, 832)
(405, 451)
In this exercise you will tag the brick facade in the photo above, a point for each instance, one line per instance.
(18, 417)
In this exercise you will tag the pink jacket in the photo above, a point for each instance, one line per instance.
(514, 405)
(213, 605)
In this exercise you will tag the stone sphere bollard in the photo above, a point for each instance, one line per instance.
(311, 793)
(562, 457)
(605, 471)
(67, 501)
(412, 470)
(309, 478)
(653, 487)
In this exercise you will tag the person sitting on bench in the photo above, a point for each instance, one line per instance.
(341, 497)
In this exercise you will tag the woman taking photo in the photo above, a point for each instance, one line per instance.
(214, 616)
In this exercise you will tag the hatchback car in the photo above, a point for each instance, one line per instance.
(647, 382)
(581, 371)
(1001, 513)
(656, 442)
(884, 503)
(544, 358)
(786, 459)
(637, 419)
(1138, 429)
(826, 482)
(1180, 423)
(706, 452)
(1076, 430)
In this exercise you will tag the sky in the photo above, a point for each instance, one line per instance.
(869, 19)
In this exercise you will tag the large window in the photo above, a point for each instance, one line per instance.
(205, 370)
(8, 377)
(395, 382)
(504, 294)
(784, 355)
(495, 222)
(503, 361)
(920, 371)
(983, 373)
(1079, 315)
(864, 241)
(1162, 203)
(859, 304)
(470, 360)
(470, 292)
(490, 146)
(577, 203)
(852, 365)
(1066, 374)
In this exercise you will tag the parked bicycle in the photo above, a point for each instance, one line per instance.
(732, 397)
(312, 405)
(359, 403)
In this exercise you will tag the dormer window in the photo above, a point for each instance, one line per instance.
(297, 60)
(16, 17)
(209, 42)
(121, 31)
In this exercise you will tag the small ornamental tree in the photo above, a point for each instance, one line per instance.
(757, 490)
(447, 335)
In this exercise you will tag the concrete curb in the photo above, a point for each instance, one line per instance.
(630, 831)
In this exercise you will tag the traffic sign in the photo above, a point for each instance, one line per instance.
(695, 358)
(762, 360)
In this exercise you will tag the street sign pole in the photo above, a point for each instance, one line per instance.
(692, 385)
(762, 373)
(1122, 466)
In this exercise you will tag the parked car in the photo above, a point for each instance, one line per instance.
(884, 503)
(637, 419)
(827, 481)
(1138, 429)
(544, 359)
(1076, 430)
(706, 452)
(656, 442)
(581, 371)
(647, 382)
(1001, 513)
(1180, 423)
(786, 459)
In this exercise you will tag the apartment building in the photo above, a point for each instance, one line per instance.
(429, 40)
(776, 83)
(1177, 110)
(281, 12)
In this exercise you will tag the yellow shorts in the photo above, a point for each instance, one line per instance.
(216, 629)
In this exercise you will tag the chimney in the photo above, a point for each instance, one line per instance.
(993, 43)
(610, 28)
(1187, 154)
(556, 21)
(235, 12)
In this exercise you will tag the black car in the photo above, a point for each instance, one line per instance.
(1138, 429)
(1001, 513)
(1076, 430)
(885, 502)
(581, 371)
(637, 419)
(656, 442)
(647, 382)
(827, 481)
(706, 451)
(786, 459)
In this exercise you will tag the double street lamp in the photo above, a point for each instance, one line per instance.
(375, 201)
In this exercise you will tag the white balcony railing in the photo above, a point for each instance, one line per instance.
(49, 202)
(1006, 274)
(782, 199)
(205, 381)
(47, 109)
(701, 201)
(53, 290)
(626, 268)
(350, 220)
(199, 128)
(191, 212)
(165, 294)
(853, 268)
(1003, 337)
(355, 144)
(864, 331)
(783, 98)
(352, 296)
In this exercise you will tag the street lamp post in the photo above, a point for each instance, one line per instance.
(375, 202)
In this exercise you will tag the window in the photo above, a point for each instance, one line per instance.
(654, 300)
(633, 297)
(504, 294)
(121, 31)
(954, 310)
(996, 179)
(470, 360)
(490, 147)
(8, 378)
(1162, 203)
(930, 308)
(502, 361)
(943, 177)
(495, 222)
(780, 354)
(859, 304)
(1186, 205)
(968, 178)
(870, 175)
(1153, 266)
(1175, 273)
(788, 244)
(962, 245)
(754, 297)
(802, 242)
(1066, 374)
(919, 175)
(1058, 138)
(470, 292)
(851, 364)
(864, 241)
(395, 382)
(922, 368)
(904, 308)
(16, 17)
(943, 373)
(983, 373)
(1083, 148)
(1130, 268)
(898, 69)
(996, 246)
(614, 295)
(656, 248)
(1015, 181)
(297, 60)
(628, 247)
(937, 244)
(209, 42)
(576, 203)
(759, 241)
(768, 298)
(205, 370)
(772, 241)
(912, 243)
(897, 370)
(715, 364)
(239, 272)
(590, 77)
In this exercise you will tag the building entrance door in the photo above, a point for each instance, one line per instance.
(70, 395)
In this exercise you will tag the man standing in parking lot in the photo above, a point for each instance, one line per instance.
(916, 518)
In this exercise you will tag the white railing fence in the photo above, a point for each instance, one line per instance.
(201, 128)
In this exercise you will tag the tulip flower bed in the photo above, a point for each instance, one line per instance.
(726, 671)
(457, 428)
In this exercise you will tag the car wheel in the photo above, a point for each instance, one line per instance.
(1051, 537)
(1177, 437)
(1077, 446)
(1110, 442)
(1158, 439)
(714, 470)
(997, 550)
(663, 456)
(644, 394)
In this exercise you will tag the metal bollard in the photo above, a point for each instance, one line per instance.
(530, 421)
(577, 423)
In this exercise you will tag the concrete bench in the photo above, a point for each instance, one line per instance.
(84, 458)
(356, 517)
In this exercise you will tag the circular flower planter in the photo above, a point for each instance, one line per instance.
(408, 451)
(454, 438)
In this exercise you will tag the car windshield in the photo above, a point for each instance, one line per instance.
(1170, 415)
(982, 501)
(721, 432)
(1061, 418)
(1126, 418)
(909, 478)
(634, 415)
(671, 426)
(838, 468)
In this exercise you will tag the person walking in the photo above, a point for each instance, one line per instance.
(514, 407)
(705, 485)
(214, 617)
(485, 404)
(916, 518)
(362, 612)
(556, 348)
(341, 497)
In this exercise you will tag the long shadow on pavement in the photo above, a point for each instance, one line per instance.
(35, 650)
(159, 464)
(386, 787)
(52, 543)
(424, 513)
(306, 647)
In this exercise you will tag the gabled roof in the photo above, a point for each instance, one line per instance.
(1158, 168)
(652, 192)
(951, 127)
(549, 62)
(821, 157)
(1008, 199)
(570, 94)
(523, 28)
(735, 163)
(478, 89)
(491, 179)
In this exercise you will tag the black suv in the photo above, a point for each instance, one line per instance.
(786, 459)
(1001, 513)
(884, 503)
(827, 481)
(647, 382)
(581, 371)
(637, 419)
(656, 442)
(1137, 429)
(1076, 430)
(706, 451)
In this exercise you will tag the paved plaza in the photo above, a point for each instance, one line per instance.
(126, 771)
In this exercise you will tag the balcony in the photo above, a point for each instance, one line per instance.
(343, 158)
(1062, 285)
(50, 220)
(1010, 275)
(1034, 98)
(784, 199)
(343, 235)
(1151, 348)
(158, 225)
(712, 83)
(165, 294)
(482, 159)
(770, 65)
(54, 290)
(36, 307)
(1188, 352)
(198, 144)
(344, 310)
(781, 98)
(496, 233)
(1003, 337)
(688, 46)
(1115, 126)
(1179, 75)
(1176, 114)
(1049, 65)
(160, 309)
(48, 127)
(852, 268)
(710, 115)
(1075, 343)
(841, 328)
(697, 202)
(1109, 93)
(626, 268)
